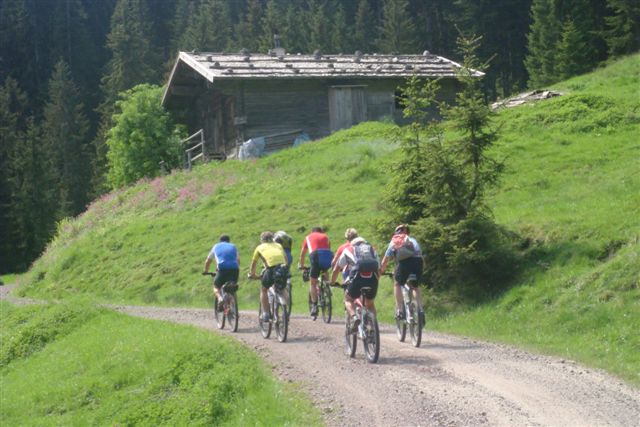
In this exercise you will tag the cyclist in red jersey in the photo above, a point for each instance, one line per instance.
(349, 234)
(320, 256)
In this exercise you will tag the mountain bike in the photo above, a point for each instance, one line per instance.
(324, 297)
(279, 316)
(414, 316)
(368, 330)
(229, 305)
(290, 295)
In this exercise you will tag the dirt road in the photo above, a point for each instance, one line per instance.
(448, 381)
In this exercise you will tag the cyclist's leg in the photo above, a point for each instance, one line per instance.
(416, 268)
(314, 274)
(266, 284)
(370, 300)
(217, 284)
(400, 277)
(352, 292)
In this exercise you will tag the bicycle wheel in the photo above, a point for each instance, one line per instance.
(327, 305)
(351, 338)
(265, 327)
(290, 302)
(219, 315)
(371, 339)
(401, 329)
(232, 312)
(281, 322)
(415, 328)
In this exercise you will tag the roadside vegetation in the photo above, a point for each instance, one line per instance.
(569, 194)
(73, 364)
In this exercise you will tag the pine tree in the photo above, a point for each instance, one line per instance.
(133, 58)
(365, 28)
(501, 24)
(35, 205)
(272, 23)
(71, 41)
(398, 31)
(318, 21)
(13, 106)
(622, 32)
(543, 38)
(436, 30)
(340, 35)
(209, 29)
(248, 31)
(572, 53)
(65, 137)
(133, 61)
(295, 34)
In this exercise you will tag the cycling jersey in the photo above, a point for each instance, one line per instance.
(271, 254)
(391, 250)
(226, 256)
(315, 241)
(347, 259)
(345, 271)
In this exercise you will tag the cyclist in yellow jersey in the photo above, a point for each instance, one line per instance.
(273, 257)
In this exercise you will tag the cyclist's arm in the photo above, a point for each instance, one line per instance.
(254, 261)
(383, 264)
(207, 264)
(303, 252)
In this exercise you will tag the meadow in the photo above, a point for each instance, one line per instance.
(570, 195)
(74, 364)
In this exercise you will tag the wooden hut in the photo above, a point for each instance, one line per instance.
(234, 97)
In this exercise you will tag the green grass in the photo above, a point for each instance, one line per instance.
(571, 191)
(8, 279)
(572, 188)
(103, 368)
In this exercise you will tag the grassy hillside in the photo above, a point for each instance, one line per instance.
(571, 191)
(75, 365)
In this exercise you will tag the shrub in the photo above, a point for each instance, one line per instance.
(143, 136)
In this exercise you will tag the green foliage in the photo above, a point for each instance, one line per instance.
(622, 31)
(143, 136)
(13, 104)
(365, 27)
(398, 30)
(209, 28)
(440, 183)
(106, 368)
(65, 138)
(543, 37)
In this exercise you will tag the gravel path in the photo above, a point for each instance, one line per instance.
(448, 381)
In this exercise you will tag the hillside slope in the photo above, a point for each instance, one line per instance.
(571, 191)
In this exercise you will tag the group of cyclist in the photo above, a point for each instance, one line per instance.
(356, 259)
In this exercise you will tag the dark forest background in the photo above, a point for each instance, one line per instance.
(63, 64)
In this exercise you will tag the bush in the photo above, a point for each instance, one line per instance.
(143, 136)
(474, 255)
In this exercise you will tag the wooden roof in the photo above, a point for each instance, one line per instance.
(215, 67)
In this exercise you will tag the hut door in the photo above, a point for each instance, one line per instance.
(347, 106)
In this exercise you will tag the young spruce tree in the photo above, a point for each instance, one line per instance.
(440, 184)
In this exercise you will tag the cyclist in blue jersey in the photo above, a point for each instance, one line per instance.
(227, 260)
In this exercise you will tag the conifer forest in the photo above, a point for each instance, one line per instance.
(64, 64)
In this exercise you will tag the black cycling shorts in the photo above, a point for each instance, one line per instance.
(406, 267)
(267, 277)
(224, 276)
(358, 282)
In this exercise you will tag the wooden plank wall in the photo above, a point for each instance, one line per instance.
(271, 106)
